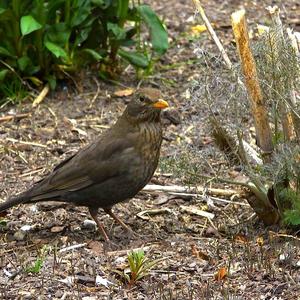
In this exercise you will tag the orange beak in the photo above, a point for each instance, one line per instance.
(161, 104)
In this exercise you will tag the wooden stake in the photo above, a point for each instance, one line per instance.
(263, 131)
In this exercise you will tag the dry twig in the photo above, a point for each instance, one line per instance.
(41, 96)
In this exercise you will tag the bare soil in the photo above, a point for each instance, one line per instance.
(232, 256)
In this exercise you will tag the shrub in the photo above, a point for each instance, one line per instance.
(44, 40)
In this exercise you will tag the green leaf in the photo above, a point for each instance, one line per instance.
(292, 217)
(56, 50)
(122, 10)
(52, 81)
(36, 268)
(29, 24)
(3, 74)
(36, 81)
(118, 32)
(23, 63)
(135, 58)
(80, 14)
(159, 36)
(94, 54)
(58, 34)
(5, 52)
(98, 2)
(102, 3)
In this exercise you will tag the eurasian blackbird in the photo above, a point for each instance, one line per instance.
(114, 168)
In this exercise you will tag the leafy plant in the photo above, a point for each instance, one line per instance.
(138, 267)
(292, 215)
(38, 264)
(36, 267)
(43, 40)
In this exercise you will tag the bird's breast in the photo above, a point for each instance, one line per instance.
(149, 143)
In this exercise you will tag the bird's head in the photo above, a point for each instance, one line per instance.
(146, 105)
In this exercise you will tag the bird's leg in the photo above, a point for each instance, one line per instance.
(118, 220)
(94, 211)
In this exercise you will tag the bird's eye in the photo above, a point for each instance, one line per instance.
(142, 99)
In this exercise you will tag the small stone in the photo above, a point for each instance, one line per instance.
(89, 224)
(20, 235)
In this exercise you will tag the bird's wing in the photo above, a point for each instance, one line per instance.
(94, 164)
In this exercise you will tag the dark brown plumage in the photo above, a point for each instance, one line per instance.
(113, 168)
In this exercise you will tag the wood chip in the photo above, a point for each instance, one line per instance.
(124, 93)
(195, 211)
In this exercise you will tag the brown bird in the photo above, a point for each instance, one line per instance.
(113, 168)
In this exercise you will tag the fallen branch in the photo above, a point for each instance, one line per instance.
(210, 197)
(26, 143)
(14, 117)
(186, 189)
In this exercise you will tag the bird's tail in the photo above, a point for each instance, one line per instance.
(22, 198)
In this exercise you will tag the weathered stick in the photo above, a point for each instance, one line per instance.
(260, 115)
(197, 212)
(14, 117)
(212, 33)
(41, 96)
(26, 143)
(186, 189)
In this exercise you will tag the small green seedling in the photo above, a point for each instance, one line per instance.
(38, 264)
(36, 267)
(137, 268)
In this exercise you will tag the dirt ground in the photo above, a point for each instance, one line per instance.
(194, 252)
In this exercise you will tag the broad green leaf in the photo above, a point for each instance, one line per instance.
(58, 34)
(98, 2)
(52, 81)
(56, 50)
(122, 10)
(36, 81)
(102, 3)
(292, 217)
(2, 10)
(118, 32)
(80, 14)
(23, 62)
(3, 74)
(94, 54)
(29, 24)
(135, 58)
(159, 36)
(7, 15)
(85, 30)
(5, 52)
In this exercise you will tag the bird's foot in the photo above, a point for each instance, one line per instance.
(130, 232)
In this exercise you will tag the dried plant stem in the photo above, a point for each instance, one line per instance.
(212, 33)
(41, 96)
(186, 189)
(218, 43)
(286, 117)
(260, 115)
(296, 120)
